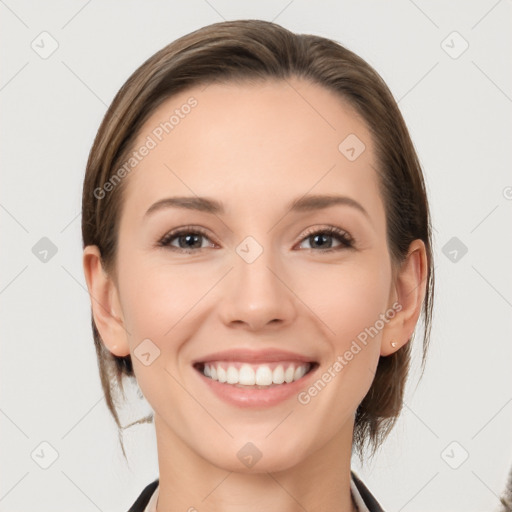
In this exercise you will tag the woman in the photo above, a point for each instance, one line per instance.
(257, 248)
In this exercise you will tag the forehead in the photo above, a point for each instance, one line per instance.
(274, 139)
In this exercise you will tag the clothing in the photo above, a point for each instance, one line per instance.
(364, 500)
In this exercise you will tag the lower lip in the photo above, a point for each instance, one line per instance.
(253, 397)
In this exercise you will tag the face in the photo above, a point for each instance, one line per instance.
(256, 277)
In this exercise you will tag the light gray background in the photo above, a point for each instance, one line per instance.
(458, 111)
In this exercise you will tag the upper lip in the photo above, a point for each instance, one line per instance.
(254, 356)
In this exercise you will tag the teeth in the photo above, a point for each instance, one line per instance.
(299, 372)
(246, 376)
(255, 375)
(263, 376)
(278, 375)
(289, 374)
(221, 374)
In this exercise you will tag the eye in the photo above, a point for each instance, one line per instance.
(322, 239)
(189, 239)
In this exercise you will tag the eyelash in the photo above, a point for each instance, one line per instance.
(347, 242)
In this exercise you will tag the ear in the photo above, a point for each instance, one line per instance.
(408, 292)
(106, 308)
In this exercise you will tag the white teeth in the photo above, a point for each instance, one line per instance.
(255, 375)
(232, 375)
(288, 374)
(299, 372)
(263, 376)
(246, 375)
(278, 375)
(221, 374)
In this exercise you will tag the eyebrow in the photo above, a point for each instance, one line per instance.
(302, 204)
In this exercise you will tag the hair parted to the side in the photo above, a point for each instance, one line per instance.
(255, 51)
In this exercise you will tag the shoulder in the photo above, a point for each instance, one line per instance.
(144, 497)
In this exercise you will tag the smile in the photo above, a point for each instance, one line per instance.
(259, 376)
(261, 379)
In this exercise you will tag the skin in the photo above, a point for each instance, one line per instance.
(255, 148)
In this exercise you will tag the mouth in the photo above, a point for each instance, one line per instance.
(249, 375)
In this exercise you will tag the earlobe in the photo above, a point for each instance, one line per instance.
(105, 305)
(409, 291)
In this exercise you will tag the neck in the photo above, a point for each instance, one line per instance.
(317, 483)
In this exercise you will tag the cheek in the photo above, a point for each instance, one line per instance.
(347, 298)
(155, 297)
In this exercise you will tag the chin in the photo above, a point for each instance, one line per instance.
(256, 457)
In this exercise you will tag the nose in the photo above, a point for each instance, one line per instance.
(258, 295)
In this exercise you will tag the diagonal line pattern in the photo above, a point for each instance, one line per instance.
(491, 80)
(70, 222)
(75, 15)
(421, 420)
(282, 421)
(421, 282)
(81, 418)
(487, 423)
(14, 76)
(485, 15)
(282, 10)
(407, 503)
(14, 485)
(13, 279)
(215, 10)
(494, 288)
(14, 423)
(485, 484)
(81, 491)
(418, 82)
(492, 211)
(217, 486)
(286, 491)
(425, 14)
(83, 83)
(14, 218)
(13, 13)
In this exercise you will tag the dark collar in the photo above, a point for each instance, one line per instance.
(372, 504)
(369, 500)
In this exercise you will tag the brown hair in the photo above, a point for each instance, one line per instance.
(255, 50)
